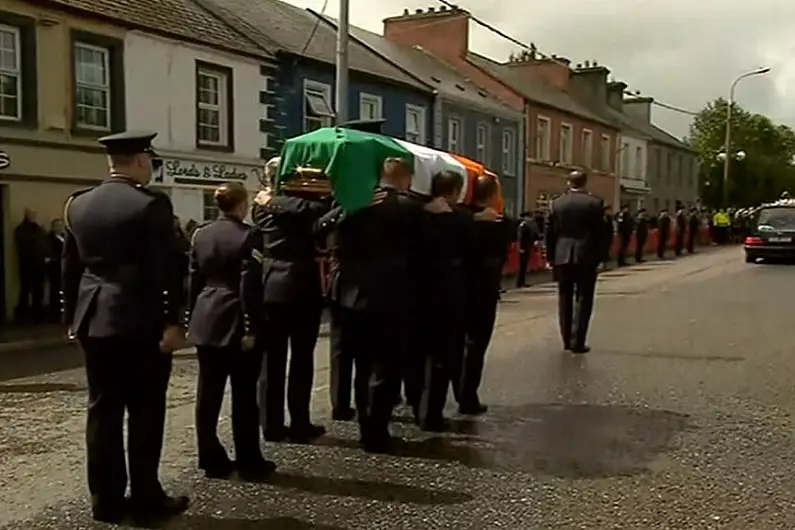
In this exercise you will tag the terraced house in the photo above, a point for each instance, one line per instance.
(560, 132)
(301, 90)
(74, 70)
(466, 119)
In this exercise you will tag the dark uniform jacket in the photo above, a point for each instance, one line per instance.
(225, 282)
(641, 227)
(378, 251)
(291, 234)
(576, 233)
(681, 224)
(450, 256)
(527, 234)
(490, 240)
(626, 225)
(120, 276)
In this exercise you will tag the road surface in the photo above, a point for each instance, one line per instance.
(680, 418)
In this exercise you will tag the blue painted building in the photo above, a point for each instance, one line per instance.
(298, 95)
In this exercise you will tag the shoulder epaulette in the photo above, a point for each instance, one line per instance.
(68, 204)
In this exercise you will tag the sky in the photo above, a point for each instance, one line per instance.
(683, 53)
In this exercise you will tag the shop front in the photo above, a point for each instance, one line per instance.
(190, 183)
(39, 175)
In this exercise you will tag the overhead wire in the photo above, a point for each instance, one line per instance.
(550, 58)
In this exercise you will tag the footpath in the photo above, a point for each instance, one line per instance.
(15, 339)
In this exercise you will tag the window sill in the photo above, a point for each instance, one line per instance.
(18, 124)
(215, 148)
(89, 133)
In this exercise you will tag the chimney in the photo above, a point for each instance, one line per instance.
(615, 95)
(553, 70)
(639, 108)
(589, 82)
(443, 32)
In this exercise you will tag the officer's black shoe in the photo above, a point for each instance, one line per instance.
(275, 434)
(472, 409)
(110, 513)
(256, 471)
(153, 511)
(220, 470)
(343, 414)
(438, 425)
(376, 443)
(580, 349)
(306, 433)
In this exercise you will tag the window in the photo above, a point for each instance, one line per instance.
(566, 144)
(587, 148)
(317, 105)
(267, 84)
(605, 153)
(639, 163)
(92, 87)
(266, 112)
(508, 152)
(209, 209)
(415, 124)
(679, 169)
(543, 125)
(10, 74)
(214, 102)
(669, 167)
(454, 135)
(482, 142)
(370, 107)
(625, 160)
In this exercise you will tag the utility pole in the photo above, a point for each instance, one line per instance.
(341, 94)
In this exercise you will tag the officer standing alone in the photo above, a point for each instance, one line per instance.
(527, 234)
(226, 308)
(122, 295)
(625, 226)
(641, 234)
(681, 229)
(663, 232)
(693, 227)
(576, 244)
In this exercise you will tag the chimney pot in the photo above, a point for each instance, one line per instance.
(587, 64)
(443, 8)
(418, 11)
(431, 10)
(595, 64)
(579, 65)
(405, 12)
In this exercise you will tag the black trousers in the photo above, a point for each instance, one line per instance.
(479, 326)
(679, 244)
(576, 290)
(295, 326)
(444, 350)
(216, 366)
(31, 293)
(623, 245)
(524, 261)
(54, 289)
(125, 374)
(412, 360)
(341, 365)
(662, 244)
(374, 340)
(640, 246)
(691, 241)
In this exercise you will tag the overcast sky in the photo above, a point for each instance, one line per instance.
(681, 52)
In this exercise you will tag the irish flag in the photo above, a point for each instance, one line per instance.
(352, 161)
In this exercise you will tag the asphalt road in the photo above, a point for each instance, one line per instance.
(680, 418)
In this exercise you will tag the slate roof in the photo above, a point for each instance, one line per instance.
(649, 131)
(290, 28)
(432, 71)
(185, 20)
(537, 90)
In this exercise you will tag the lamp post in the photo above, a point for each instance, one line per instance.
(727, 139)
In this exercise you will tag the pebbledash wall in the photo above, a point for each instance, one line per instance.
(181, 92)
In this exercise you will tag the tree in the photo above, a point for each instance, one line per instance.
(767, 168)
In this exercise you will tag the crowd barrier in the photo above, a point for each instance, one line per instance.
(537, 261)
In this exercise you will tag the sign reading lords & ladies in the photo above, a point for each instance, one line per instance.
(205, 173)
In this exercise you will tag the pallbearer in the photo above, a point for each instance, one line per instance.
(226, 311)
(444, 301)
(122, 296)
(291, 228)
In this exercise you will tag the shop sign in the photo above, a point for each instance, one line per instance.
(5, 160)
(208, 173)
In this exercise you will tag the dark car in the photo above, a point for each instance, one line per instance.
(771, 233)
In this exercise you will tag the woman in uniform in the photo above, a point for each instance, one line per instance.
(225, 299)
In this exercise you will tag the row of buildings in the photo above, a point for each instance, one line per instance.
(224, 82)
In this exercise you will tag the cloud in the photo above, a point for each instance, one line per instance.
(681, 52)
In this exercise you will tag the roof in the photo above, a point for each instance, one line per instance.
(299, 32)
(537, 90)
(432, 71)
(182, 19)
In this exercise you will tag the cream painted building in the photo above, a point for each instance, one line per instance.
(65, 85)
(207, 111)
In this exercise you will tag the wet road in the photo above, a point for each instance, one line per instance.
(678, 419)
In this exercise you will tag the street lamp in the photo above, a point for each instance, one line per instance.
(727, 139)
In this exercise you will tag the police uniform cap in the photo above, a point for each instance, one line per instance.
(129, 143)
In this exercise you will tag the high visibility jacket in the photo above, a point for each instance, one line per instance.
(721, 219)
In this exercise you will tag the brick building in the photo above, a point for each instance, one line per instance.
(561, 133)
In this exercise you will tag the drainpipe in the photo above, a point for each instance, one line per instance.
(521, 155)
(436, 120)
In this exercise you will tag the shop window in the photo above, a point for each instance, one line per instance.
(209, 209)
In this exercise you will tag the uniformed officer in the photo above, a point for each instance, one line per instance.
(681, 228)
(293, 295)
(445, 288)
(372, 284)
(625, 226)
(226, 309)
(122, 296)
(491, 236)
(576, 244)
(693, 226)
(641, 234)
(663, 232)
(526, 236)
